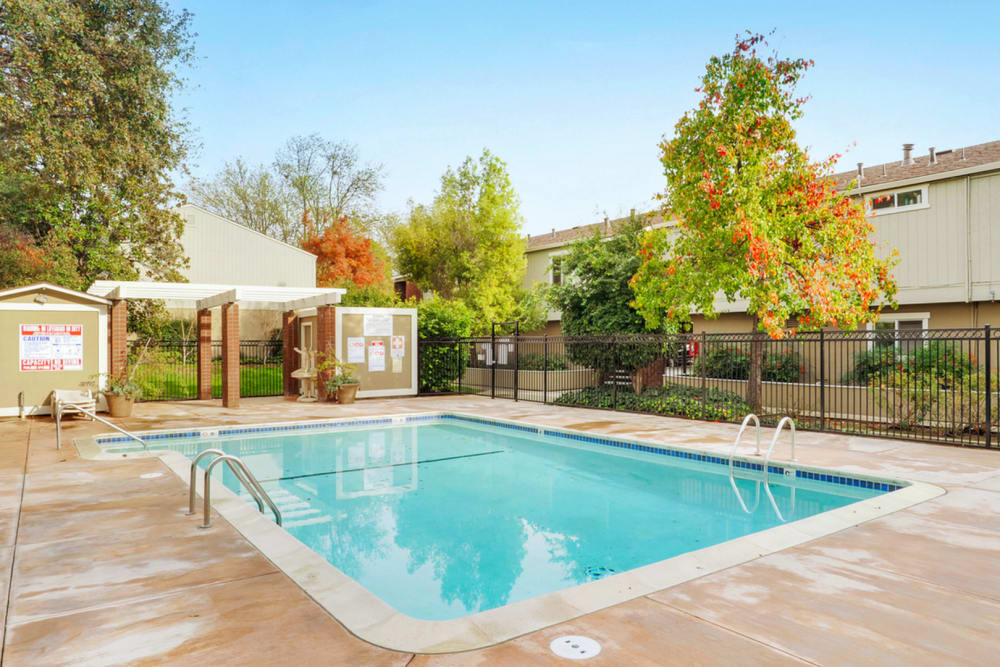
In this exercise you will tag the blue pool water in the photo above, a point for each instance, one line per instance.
(445, 518)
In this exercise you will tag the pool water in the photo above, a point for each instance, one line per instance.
(446, 518)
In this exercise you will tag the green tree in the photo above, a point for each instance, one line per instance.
(595, 299)
(251, 196)
(88, 137)
(441, 363)
(467, 243)
(756, 218)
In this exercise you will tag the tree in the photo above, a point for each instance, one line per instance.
(252, 196)
(595, 299)
(467, 243)
(756, 219)
(88, 137)
(23, 261)
(343, 257)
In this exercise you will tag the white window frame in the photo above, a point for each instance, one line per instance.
(896, 318)
(924, 202)
(562, 272)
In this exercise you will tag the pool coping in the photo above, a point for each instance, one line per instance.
(369, 618)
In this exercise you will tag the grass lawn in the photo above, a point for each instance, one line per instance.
(179, 381)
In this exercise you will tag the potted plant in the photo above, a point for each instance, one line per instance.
(340, 379)
(121, 392)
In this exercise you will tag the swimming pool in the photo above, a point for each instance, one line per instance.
(443, 516)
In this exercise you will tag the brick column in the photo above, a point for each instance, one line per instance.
(204, 355)
(326, 332)
(117, 336)
(290, 358)
(230, 355)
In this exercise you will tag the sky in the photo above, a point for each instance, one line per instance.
(573, 96)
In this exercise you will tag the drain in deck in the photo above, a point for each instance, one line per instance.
(575, 647)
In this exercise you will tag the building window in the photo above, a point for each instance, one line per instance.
(904, 331)
(557, 270)
(899, 201)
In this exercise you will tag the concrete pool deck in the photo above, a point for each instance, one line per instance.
(100, 565)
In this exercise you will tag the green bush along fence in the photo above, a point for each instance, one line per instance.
(935, 385)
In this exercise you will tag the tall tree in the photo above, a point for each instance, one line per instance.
(252, 196)
(88, 137)
(467, 243)
(595, 299)
(756, 218)
(343, 257)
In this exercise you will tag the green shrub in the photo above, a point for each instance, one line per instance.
(733, 363)
(442, 364)
(877, 362)
(534, 361)
(672, 400)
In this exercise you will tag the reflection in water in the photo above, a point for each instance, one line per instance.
(445, 519)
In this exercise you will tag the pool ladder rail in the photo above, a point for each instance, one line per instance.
(58, 410)
(767, 461)
(241, 472)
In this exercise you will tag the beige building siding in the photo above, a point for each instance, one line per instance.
(984, 222)
(537, 271)
(226, 253)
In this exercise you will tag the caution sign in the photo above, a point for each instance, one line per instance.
(51, 347)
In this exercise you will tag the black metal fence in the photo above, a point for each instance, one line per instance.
(167, 370)
(936, 385)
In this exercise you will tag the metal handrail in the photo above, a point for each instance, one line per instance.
(236, 471)
(739, 436)
(92, 416)
(247, 479)
(774, 441)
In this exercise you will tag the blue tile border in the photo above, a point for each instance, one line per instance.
(823, 477)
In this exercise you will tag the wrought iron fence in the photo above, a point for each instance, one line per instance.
(937, 385)
(167, 370)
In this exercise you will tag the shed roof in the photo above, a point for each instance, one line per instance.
(49, 287)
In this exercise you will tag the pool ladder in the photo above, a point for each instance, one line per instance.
(241, 472)
(767, 461)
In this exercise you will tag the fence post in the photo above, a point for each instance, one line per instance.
(989, 387)
(614, 378)
(493, 361)
(704, 377)
(545, 368)
(822, 382)
(458, 369)
(517, 362)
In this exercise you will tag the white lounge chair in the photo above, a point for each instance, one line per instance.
(66, 401)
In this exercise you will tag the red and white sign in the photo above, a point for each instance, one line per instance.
(51, 347)
(398, 349)
(376, 356)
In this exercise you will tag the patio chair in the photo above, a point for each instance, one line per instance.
(65, 401)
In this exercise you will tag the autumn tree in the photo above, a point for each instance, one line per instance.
(88, 137)
(467, 243)
(343, 257)
(757, 220)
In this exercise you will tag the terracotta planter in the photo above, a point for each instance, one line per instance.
(346, 392)
(119, 406)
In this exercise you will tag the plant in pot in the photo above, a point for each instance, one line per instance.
(340, 379)
(121, 390)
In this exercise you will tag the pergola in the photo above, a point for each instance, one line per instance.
(230, 298)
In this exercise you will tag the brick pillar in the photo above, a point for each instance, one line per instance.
(117, 336)
(290, 358)
(326, 332)
(204, 355)
(230, 355)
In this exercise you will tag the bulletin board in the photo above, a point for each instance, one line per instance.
(381, 344)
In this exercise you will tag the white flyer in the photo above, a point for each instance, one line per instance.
(397, 349)
(355, 350)
(378, 324)
(376, 356)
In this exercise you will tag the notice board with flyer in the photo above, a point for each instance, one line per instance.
(381, 345)
(50, 347)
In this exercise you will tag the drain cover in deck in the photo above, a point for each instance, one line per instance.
(575, 647)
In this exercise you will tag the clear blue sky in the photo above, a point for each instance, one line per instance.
(573, 96)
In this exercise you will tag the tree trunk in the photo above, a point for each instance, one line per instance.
(756, 364)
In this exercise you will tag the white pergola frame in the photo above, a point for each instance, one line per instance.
(201, 296)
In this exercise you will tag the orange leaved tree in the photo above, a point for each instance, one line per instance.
(757, 220)
(343, 256)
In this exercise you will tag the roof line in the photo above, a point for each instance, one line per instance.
(55, 288)
(245, 228)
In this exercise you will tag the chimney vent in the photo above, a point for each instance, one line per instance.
(631, 213)
(884, 174)
(907, 154)
(933, 156)
(963, 153)
(861, 171)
